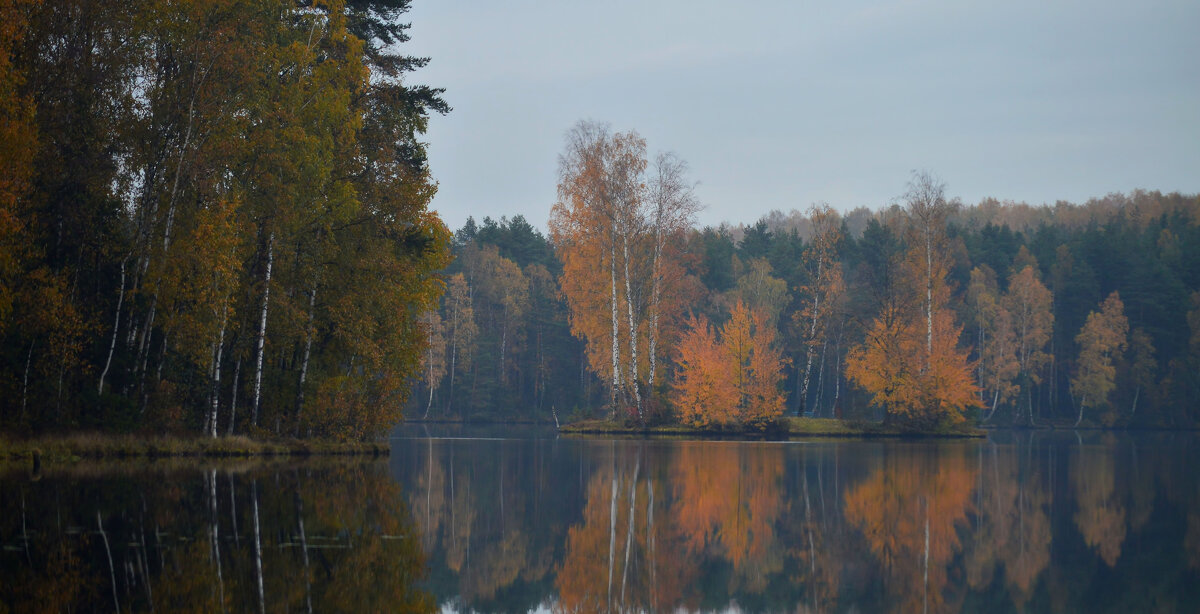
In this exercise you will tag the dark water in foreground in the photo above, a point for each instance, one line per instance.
(520, 520)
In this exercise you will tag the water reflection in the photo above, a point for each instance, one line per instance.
(1025, 521)
(313, 537)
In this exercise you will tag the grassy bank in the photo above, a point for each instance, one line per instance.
(78, 446)
(783, 428)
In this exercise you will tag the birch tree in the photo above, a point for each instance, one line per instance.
(1102, 341)
(607, 220)
(822, 292)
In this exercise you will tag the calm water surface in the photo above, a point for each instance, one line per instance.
(519, 520)
(1019, 522)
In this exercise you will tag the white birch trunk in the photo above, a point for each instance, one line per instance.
(116, 325)
(616, 349)
(262, 329)
(216, 373)
(928, 294)
(503, 345)
(233, 395)
(308, 338)
(633, 368)
(25, 378)
(812, 334)
(655, 299)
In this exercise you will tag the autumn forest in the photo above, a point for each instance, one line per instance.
(216, 217)
(925, 311)
(213, 216)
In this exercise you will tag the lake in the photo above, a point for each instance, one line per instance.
(518, 520)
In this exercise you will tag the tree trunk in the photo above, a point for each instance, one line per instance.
(308, 337)
(25, 378)
(995, 401)
(802, 406)
(116, 325)
(233, 394)
(633, 368)
(820, 377)
(453, 366)
(616, 356)
(655, 301)
(503, 347)
(143, 353)
(262, 329)
(928, 295)
(216, 373)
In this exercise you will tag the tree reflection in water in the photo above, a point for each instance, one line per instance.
(1025, 521)
(310, 537)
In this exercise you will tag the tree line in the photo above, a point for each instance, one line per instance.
(213, 216)
(927, 310)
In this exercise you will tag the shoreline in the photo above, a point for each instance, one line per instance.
(76, 447)
(784, 429)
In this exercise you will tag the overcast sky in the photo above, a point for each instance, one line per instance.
(777, 105)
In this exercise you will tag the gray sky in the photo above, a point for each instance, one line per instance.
(777, 105)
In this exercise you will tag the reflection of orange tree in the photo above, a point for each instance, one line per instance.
(614, 564)
(728, 496)
(1013, 529)
(907, 511)
(1100, 517)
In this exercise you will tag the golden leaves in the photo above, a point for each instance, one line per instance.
(730, 377)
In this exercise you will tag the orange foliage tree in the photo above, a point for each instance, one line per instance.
(730, 377)
(1032, 307)
(998, 365)
(609, 217)
(910, 362)
(1101, 342)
